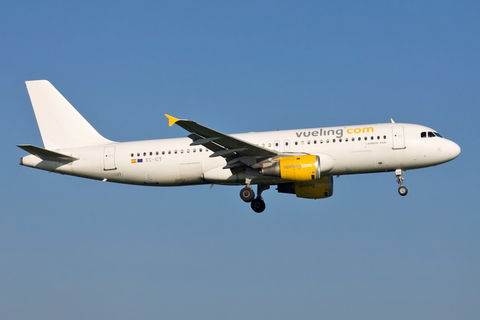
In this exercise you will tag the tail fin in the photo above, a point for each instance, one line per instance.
(60, 125)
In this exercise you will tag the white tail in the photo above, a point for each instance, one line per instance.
(60, 124)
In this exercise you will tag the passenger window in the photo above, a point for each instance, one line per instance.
(132, 155)
(151, 153)
(181, 151)
(333, 140)
(321, 141)
(296, 143)
(314, 141)
(339, 140)
(365, 138)
(371, 138)
(169, 151)
(144, 154)
(359, 139)
(308, 142)
(200, 150)
(163, 152)
(384, 137)
(378, 137)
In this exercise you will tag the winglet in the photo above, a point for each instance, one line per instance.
(171, 120)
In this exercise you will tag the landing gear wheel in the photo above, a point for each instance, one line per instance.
(403, 191)
(258, 205)
(247, 194)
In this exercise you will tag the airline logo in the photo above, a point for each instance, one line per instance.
(338, 133)
(360, 130)
(298, 166)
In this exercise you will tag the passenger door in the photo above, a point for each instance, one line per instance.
(109, 158)
(398, 138)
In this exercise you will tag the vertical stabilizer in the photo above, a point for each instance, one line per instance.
(60, 124)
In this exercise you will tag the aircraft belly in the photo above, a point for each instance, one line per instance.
(191, 173)
(165, 174)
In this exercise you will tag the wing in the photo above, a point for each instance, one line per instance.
(238, 153)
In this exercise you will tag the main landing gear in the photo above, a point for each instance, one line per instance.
(402, 190)
(247, 195)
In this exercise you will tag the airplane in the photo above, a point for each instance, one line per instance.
(301, 162)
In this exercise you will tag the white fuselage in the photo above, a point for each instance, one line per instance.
(174, 162)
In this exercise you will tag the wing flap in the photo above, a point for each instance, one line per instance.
(227, 152)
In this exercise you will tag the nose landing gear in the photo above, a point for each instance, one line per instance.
(402, 190)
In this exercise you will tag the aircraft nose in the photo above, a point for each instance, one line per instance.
(454, 150)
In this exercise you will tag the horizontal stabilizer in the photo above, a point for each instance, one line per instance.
(45, 154)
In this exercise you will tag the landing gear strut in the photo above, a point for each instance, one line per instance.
(402, 190)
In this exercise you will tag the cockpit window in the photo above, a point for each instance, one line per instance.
(431, 134)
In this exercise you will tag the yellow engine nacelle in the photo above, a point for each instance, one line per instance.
(316, 189)
(300, 168)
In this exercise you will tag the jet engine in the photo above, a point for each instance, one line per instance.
(299, 168)
(315, 189)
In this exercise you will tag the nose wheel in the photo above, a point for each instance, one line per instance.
(402, 190)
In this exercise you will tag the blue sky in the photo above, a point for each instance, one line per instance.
(72, 248)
